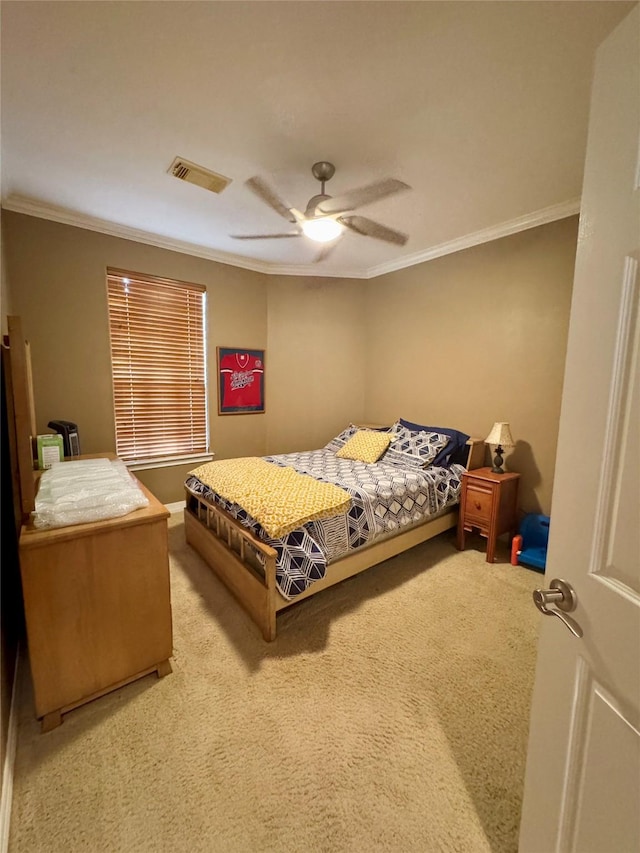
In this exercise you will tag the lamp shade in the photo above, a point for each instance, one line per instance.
(500, 434)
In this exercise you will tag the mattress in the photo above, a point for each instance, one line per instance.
(385, 499)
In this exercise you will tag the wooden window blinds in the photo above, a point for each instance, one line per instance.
(158, 366)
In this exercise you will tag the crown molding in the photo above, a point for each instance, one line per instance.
(313, 271)
(486, 235)
(41, 210)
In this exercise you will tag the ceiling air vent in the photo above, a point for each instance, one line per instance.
(198, 175)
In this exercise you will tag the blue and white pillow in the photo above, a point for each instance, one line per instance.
(455, 451)
(340, 440)
(410, 449)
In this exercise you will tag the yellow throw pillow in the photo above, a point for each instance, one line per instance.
(365, 446)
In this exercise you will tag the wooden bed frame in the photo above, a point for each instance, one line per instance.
(247, 565)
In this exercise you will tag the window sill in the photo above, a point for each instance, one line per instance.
(169, 462)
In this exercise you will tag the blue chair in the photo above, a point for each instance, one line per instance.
(529, 547)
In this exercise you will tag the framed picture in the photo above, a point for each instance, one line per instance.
(240, 381)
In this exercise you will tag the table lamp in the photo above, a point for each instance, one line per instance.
(500, 435)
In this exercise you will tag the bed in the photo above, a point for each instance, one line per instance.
(379, 498)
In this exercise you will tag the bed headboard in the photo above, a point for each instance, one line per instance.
(475, 458)
(16, 367)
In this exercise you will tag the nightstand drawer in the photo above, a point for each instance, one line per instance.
(478, 503)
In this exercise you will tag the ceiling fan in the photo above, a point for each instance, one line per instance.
(325, 218)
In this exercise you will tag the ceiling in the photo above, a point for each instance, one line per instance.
(481, 107)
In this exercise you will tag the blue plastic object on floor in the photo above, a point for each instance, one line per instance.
(529, 547)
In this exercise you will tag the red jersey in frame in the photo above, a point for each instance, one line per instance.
(240, 380)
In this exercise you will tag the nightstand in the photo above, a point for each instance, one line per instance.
(488, 504)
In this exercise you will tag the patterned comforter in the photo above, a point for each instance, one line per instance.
(384, 499)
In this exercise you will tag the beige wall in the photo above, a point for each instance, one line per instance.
(476, 337)
(58, 285)
(463, 341)
(5, 293)
(315, 361)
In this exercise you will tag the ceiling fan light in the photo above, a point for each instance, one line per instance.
(322, 230)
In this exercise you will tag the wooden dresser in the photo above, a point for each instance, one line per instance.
(97, 606)
(96, 596)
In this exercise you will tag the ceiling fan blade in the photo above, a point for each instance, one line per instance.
(264, 192)
(264, 236)
(325, 251)
(363, 195)
(369, 228)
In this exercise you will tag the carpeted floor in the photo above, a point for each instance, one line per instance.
(391, 714)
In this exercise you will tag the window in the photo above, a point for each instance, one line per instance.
(158, 367)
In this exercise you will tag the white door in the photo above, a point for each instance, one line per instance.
(582, 786)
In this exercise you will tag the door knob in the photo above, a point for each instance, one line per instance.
(561, 595)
